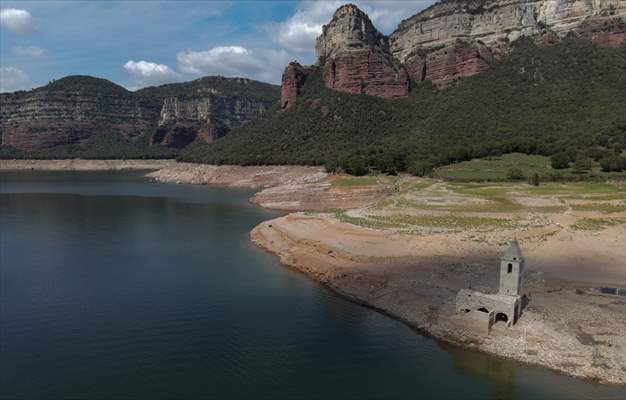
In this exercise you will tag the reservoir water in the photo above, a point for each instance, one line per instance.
(116, 287)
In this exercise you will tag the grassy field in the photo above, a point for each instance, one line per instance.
(497, 169)
(478, 210)
(349, 181)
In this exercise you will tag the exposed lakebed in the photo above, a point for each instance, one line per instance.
(113, 286)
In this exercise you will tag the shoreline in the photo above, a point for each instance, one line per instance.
(413, 277)
(427, 308)
(84, 165)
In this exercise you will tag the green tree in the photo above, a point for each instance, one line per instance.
(534, 179)
(421, 168)
(560, 161)
(354, 165)
(582, 164)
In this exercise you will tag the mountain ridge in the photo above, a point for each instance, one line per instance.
(73, 109)
(448, 41)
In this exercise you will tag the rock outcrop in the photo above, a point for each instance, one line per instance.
(355, 57)
(458, 37)
(77, 108)
(182, 120)
(293, 80)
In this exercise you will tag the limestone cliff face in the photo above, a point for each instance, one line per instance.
(70, 111)
(440, 36)
(355, 57)
(74, 109)
(182, 120)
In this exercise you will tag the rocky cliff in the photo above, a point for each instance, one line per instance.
(457, 38)
(207, 108)
(450, 40)
(71, 110)
(77, 108)
(355, 57)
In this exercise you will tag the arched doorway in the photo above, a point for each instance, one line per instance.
(502, 317)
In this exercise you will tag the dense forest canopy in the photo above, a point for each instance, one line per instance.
(568, 98)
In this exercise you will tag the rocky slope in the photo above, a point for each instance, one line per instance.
(75, 109)
(448, 41)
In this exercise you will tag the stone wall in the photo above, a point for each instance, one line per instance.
(469, 302)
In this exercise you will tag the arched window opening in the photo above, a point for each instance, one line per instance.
(502, 317)
(510, 268)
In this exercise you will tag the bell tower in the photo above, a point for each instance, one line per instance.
(511, 268)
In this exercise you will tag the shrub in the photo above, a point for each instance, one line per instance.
(612, 163)
(515, 174)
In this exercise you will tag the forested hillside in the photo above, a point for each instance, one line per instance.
(568, 98)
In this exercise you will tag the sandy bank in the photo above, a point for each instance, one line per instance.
(568, 326)
(238, 176)
(289, 188)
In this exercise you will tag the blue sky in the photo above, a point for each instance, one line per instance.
(150, 42)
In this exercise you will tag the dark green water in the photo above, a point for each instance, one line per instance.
(114, 287)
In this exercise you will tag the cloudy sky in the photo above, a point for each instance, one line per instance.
(151, 42)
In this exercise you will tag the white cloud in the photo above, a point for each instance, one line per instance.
(29, 51)
(387, 14)
(149, 73)
(235, 61)
(12, 78)
(298, 33)
(15, 20)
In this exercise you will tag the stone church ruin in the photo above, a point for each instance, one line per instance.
(482, 310)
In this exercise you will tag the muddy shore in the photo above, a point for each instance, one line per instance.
(412, 272)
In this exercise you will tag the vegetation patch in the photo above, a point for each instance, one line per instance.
(449, 222)
(595, 224)
(496, 168)
(349, 181)
(577, 190)
(602, 207)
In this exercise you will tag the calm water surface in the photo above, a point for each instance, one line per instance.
(115, 287)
